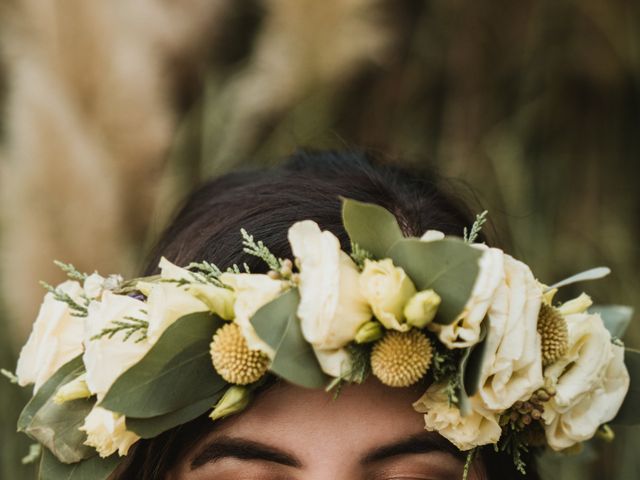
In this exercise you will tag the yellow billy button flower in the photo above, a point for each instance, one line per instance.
(421, 309)
(401, 359)
(73, 390)
(233, 359)
(234, 400)
(369, 332)
(387, 288)
(553, 332)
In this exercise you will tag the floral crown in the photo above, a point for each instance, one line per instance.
(114, 361)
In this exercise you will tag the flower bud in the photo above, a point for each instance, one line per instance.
(234, 400)
(369, 332)
(387, 289)
(421, 309)
(73, 390)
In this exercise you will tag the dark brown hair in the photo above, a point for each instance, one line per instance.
(266, 202)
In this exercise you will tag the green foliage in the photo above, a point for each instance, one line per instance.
(54, 425)
(77, 309)
(371, 227)
(94, 468)
(153, 426)
(71, 271)
(476, 228)
(615, 317)
(448, 266)
(277, 324)
(359, 254)
(470, 369)
(511, 443)
(128, 326)
(359, 370)
(468, 462)
(175, 373)
(258, 249)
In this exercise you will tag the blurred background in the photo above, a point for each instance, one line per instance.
(111, 111)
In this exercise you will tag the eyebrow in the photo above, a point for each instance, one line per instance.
(421, 443)
(228, 447)
(242, 449)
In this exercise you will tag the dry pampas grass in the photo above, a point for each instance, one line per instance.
(92, 111)
(88, 123)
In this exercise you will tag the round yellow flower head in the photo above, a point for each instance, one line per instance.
(553, 331)
(401, 359)
(232, 358)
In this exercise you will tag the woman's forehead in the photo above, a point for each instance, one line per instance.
(362, 415)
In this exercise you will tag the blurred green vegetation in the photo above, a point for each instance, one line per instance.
(532, 108)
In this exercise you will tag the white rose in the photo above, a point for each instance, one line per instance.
(56, 338)
(107, 432)
(432, 235)
(107, 358)
(512, 365)
(464, 331)
(331, 306)
(252, 291)
(591, 382)
(387, 288)
(167, 301)
(480, 427)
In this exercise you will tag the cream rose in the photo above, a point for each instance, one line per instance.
(107, 358)
(56, 338)
(167, 300)
(464, 331)
(512, 365)
(591, 382)
(387, 288)
(331, 306)
(480, 427)
(252, 291)
(107, 432)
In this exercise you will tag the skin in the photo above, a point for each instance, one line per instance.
(370, 432)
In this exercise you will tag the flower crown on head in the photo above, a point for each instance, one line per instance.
(113, 361)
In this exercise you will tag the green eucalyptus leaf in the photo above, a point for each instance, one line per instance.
(94, 468)
(71, 370)
(448, 266)
(151, 427)
(615, 317)
(371, 226)
(471, 368)
(56, 426)
(175, 373)
(629, 413)
(277, 324)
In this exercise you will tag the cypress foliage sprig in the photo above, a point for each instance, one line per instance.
(205, 273)
(72, 272)
(468, 462)
(359, 254)
(260, 250)
(77, 310)
(128, 326)
(476, 228)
